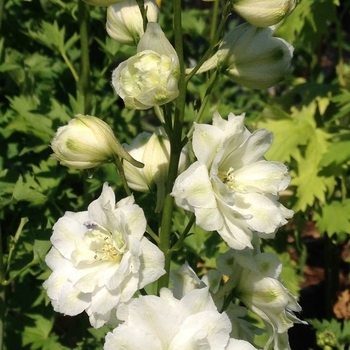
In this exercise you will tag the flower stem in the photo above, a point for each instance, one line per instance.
(175, 144)
(120, 169)
(214, 41)
(12, 246)
(2, 294)
(204, 103)
(84, 74)
(70, 66)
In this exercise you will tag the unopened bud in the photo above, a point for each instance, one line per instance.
(154, 151)
(252, 57)
(264, 13)
(125, 23)
(87, 142)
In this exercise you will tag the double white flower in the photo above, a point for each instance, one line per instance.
(164, 322)
(150, 78)
(231, 187)
(100, 258)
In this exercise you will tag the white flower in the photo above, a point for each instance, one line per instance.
(100, 258)
(264, 13)
(87, 142)
(232, 188)
(166, 323)
(254, 281)
(124, 20)
(153, 150)
(252, 57)
(150, 78)
(185, 280)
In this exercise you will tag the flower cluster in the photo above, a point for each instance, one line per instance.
(102, 260)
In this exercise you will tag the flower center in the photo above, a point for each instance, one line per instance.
(228, 179)
(105, 245)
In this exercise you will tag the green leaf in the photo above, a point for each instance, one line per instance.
(39, 335)
(289, 133)
(310, 185)
(28, 120)
(334, 217)
(50, 35)
(40, 249)
(24, 192)
(338, 153)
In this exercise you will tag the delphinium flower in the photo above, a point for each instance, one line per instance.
(150, 78)
(231, 187)
(252, 57)
(153, 150)
(100, 258)
(124, 20)
(253, 279)
(167, 323)
(184, 280)
(87, 142)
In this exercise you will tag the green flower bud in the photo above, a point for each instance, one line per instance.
(87, 142)
(264, 13)
(150, 78)
(124, 20)
(251, 57)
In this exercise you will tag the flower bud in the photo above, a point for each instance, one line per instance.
(154, 151)
(125, 23)
(150, 78)
(87, 142)
(251, 57)
(102, 3)
(264, 13)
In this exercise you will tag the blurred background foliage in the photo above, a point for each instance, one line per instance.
(42, 87)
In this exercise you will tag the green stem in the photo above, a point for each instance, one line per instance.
(121, 172)
(141, 5)
(2, 294)
(84, 74)
(14, 242)
(214, 20)
(175, 144)
(178, 245)
(204, 103)
(2, 3)
(18, 273)
(70, 66)
(331, 268)
(229, 286)
(214, 41)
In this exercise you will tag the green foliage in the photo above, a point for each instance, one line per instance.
(334, 217)
(332, 334)
(40, 55)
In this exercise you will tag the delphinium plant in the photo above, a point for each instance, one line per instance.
(124, 264)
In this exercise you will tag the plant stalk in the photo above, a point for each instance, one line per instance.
(2, 294)
(84, 85)
(175, 145)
